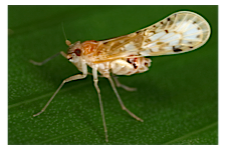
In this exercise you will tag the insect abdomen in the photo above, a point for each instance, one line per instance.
(130, 65)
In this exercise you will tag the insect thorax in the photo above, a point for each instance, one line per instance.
(90, 52)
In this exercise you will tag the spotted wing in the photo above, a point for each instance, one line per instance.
(180, 32)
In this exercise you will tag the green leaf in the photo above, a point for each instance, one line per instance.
(176, 98)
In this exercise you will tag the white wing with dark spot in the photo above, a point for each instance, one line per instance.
(180, 32)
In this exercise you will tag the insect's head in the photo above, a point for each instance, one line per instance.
(74, 51)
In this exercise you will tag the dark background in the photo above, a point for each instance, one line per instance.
(177, 97)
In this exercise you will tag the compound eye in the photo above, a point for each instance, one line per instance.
(78, 52)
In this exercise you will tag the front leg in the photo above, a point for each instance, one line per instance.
(95, 80)
(75, 77)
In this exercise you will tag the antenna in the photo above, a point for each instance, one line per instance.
(66, 40)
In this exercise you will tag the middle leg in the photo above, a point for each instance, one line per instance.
(118, 84)
(120, 101)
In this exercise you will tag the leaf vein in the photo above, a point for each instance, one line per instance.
(192, 133)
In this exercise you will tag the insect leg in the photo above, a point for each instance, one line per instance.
(120, 101)
(118, 84)
(95, 79)
(75, 77)
(48, 59)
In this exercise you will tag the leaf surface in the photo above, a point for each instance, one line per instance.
(176, 98)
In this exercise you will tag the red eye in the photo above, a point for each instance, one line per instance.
(78, 52)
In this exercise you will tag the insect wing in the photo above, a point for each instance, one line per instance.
(180, 32)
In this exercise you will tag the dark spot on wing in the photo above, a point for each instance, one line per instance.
(166, 31)
(176, 49)
(198, 36)
(168, 19)
(194, 22)
(147, 41)
(161, 22)
(159, 43)
(190, 47)
(105, 42)
(154, 26)
(138, 32)
(198, 28)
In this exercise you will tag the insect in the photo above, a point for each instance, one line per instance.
(126, 55)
